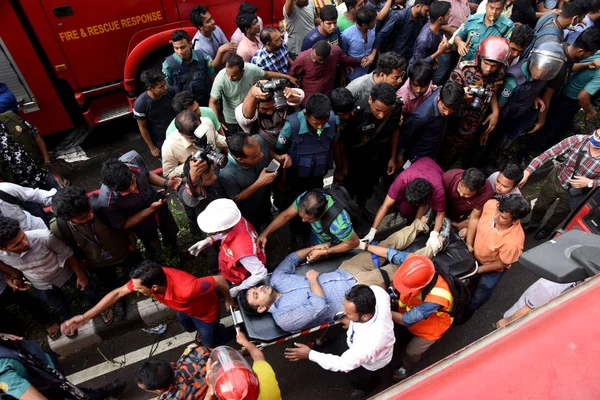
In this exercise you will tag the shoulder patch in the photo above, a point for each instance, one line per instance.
(506, 93)
(18, 128)
(281, 139)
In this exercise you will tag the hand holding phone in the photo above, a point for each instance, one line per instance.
(273, 166)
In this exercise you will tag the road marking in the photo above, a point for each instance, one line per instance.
(136, 356)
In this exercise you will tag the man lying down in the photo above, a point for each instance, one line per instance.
(298, 302)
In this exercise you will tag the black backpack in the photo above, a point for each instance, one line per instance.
(458, 288)
(66, 233)
(342, 201)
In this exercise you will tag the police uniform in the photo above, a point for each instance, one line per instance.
(479, 31)
(177, 73)
(367, 146)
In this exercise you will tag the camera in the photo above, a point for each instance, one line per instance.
(207, 153)
(480, 96)
(275, 87)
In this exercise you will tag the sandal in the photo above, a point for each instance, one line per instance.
(198, 339)
(54, 332)
(108, 316)
(73, 335)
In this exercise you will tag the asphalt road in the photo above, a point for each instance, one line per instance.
(297, 380)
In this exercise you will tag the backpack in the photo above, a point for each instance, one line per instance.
(66, 235)
(548, 30)
(342, 201)
(458, 288)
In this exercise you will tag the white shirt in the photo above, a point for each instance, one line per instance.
(540, 293)
(492, 180)
(27, 222)
(371, 343)
(257, 270)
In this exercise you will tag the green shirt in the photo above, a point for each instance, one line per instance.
(169, 74)
(475, 24)
(230, 93)
(343, 22)
(283, 140)
(204, 112)
(509, 85)
(14, 377)
(341, 227)
(588, 79)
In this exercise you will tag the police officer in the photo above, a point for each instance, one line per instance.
(370, 142)
(189, 69)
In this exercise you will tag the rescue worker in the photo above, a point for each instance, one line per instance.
(481, 79)
(189, 69)
(241, 260)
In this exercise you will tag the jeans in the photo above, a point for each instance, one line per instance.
(211, 334)
(24, 302)
(55, 299)
(484, 290)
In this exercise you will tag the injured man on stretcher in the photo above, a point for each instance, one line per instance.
(297, 302)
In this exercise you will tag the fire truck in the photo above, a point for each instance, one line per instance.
(74, 62)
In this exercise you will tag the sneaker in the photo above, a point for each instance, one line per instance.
(530, 227)
(543, 233)
(358, 394)
(400, 374)
(445, 233)
(429, 214)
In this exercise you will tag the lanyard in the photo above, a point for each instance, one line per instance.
(95, 241)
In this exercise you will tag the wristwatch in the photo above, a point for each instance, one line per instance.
(590, 183)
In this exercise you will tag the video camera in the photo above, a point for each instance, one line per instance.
(207, 153)
(480, 96)
(275, 87)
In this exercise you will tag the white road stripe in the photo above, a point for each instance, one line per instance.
(136, 356)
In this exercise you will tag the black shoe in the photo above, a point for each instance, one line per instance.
(429, 214)
(400, 374)
(115, 389)
(445, 232)
(358, 394)
(543, 234)
(530, 227)
(575, 128)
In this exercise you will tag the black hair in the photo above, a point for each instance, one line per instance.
(155, 375)
(70, 202)
(313, 203)
(593, 6)
(513, 172)
(385, 93)
(322, 48)
(522, 35)
(516, 205)
(9, 229)
(588, 40)
(265, 34)
(182, 100)
(244, 304)
(186, 122)
(179, 34)
(421, 71)
(342, 100)
(351, 3)
(390, 61)
(235, 60)
(247, 8)
(424, 2)
(438, 10)
(363, 299)
(496, 1)
(329, 13)
(473, 179)
(318, 105)
(365, 15)
(236, 143)
(152, 77)
(452, 95)
(417, 191)
(115, 174)
(197, 15)
(573, 9)
(149, 273)
(244, 21)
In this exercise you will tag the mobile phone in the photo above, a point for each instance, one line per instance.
(273, 166)
(162, 194)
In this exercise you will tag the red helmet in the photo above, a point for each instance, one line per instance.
(493, 48)
(414, 274)
(237, 382)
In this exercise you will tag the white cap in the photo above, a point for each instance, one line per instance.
(219, 215)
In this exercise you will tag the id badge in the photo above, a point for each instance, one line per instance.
(407, 164)
(106, 255)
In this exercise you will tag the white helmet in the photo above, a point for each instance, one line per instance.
(219, 215)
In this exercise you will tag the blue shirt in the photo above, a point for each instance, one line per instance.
(354, 45)
(210, 46)
(8, 101)
(276, 62)
(427, 43)
(298, 308)
(401, 30)
(314, 36)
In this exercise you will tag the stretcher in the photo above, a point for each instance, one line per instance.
(263, 330)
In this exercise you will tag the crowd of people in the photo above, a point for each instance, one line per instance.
(450, 106)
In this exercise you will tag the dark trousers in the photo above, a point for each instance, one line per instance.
(24, 301)
(168, 229)
(363, 176)
(483, 292)
(549, 192)
(360, 378)
(56, 300)
(211, 334)
(107, 277)
(231, 129)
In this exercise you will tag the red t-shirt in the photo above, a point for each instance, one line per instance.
(190, 295)
(459, 208)
(424, 168)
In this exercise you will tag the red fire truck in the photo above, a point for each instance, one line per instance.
(78, 61)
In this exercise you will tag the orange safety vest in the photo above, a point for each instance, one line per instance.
(437, 323)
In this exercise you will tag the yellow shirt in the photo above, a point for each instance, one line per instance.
(269, 388)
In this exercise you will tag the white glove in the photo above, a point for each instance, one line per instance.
(201, 245)
(370, 236)
(434, 242)
(233, 292)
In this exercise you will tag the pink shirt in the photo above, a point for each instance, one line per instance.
(427, 169)
(410, 102)
(247, 48)
(459, 12)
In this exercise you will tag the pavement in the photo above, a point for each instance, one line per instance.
(102, 355)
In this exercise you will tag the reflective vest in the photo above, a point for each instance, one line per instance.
(434, 326)
(240, 242)
(311, 155)
(523, 95)
(192, 77)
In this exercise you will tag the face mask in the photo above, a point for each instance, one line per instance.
(595, 142)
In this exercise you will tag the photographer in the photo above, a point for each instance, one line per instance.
(259, 114)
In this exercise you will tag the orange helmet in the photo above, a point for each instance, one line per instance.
(414, 274)
(493, 48)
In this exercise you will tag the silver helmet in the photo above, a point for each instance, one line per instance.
(546, 60)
